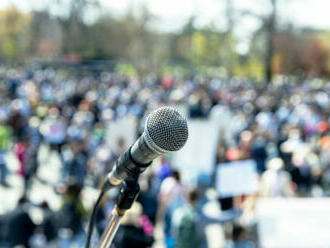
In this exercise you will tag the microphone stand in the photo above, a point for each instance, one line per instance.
(128, 193)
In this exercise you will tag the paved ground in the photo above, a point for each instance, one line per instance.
(42, 187)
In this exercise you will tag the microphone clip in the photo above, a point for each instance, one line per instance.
(128, 193)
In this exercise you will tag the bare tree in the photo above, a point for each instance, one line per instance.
(270, 28)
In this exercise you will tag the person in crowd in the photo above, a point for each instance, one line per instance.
(49, 224)
(105, 209)
(31, 165)
(53, 130)
(259, 153)
(148, 199)
(162, 170)
(31, 153)
(75, 162)
(21, 152)
(3, 231)
(240, 238)
(20, 227)
(131, 233)
(276, 182)
(17, 121)
(71, 217)
(325, 160)
(189, 222)
(171, 196)
(5, 134)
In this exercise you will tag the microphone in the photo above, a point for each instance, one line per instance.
(165, 131)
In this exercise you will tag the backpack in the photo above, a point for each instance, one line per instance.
(69, 217)
(187, 233)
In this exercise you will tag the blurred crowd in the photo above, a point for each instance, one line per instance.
(283, 127)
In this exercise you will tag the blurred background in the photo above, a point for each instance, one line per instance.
(78, 78)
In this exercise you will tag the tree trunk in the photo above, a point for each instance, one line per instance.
(271, 31)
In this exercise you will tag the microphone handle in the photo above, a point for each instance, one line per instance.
(132, 163)
(142, 153)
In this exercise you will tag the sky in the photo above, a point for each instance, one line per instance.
(171, 15)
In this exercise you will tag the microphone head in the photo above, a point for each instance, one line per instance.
(166, 130)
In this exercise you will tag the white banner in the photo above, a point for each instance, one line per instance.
(236, 178)
(124, 128)
(294, 222)
(199, 153)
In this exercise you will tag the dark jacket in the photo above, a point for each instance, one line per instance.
(129, 236)
(20, 228)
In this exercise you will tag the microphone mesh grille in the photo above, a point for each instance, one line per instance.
(167, 129)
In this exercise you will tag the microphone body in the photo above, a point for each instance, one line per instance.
(165, 131)
(132, 163)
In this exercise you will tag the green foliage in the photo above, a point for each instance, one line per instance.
(127, 69)
(14, 27)
(250, 67)
(208, 48)
(325, 40)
